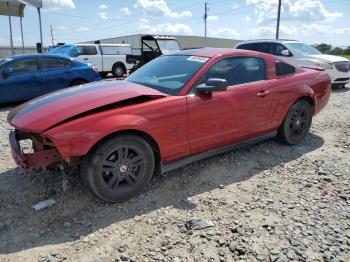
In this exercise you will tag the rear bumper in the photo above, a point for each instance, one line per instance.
(39, 158)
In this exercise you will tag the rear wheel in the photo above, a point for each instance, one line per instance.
(118, 70)
(119, 168)
(297, 123)
(78, 82)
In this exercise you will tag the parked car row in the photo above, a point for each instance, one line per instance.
(27, 76)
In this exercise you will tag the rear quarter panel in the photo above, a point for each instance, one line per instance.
(305, 83)
(84, 71)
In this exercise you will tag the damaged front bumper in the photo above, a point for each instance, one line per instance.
(43, 151)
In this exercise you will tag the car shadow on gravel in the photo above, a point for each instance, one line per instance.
(341, 90)
(77, 213)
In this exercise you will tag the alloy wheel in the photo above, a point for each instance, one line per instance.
(122, 168)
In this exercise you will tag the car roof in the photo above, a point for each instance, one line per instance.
(38, 55)
(269, 41)
(212, 52)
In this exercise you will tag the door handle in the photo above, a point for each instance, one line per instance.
(86, 58)
(263, 93)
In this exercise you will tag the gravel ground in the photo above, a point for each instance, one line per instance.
(266, 202)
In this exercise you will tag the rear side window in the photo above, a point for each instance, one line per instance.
(238, 70)
(24, 65)
(283, 69)
(87, 50)
(47, 63)
(259, 47)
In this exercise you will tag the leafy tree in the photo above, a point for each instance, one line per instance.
(324, 48)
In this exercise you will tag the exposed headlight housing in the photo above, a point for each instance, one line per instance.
(322, 64)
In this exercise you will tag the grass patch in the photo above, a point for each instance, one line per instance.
(346, 56)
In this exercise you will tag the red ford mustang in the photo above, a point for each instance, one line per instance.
(176, 109)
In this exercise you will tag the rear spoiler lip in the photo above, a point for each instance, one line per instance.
(313, 67)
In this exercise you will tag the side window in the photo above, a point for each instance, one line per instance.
(276, 49)
(238, 70)
(263, 47)
(47, 63)
(247, 47)
(87, 50)
(283, 69)
(24, 65)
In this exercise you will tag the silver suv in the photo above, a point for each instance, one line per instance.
(303, 54)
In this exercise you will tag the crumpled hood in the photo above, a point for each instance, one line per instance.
(329, 58)
(44, 112)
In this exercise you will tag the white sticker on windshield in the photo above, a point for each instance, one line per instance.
(199, 59)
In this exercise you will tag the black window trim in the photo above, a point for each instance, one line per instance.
(286, 75)
(193, 87)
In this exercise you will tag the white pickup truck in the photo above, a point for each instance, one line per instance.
(107, 58)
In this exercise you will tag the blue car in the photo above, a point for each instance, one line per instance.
(24, 77)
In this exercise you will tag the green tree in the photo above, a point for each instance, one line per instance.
(324, 48)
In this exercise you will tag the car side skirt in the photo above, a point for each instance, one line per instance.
(169, 166)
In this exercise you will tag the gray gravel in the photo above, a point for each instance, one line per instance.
(266, 202)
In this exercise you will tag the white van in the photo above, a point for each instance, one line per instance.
(107, 58)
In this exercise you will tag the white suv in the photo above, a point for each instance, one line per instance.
(302, 54)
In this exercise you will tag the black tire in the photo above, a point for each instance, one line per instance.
(78, 82)
(103, 74)
(115, 174)
(118, 70)
(296, 123)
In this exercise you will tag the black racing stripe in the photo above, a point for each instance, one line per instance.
(41, 101)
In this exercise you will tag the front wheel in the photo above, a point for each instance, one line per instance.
(296, 124)
(119, 168)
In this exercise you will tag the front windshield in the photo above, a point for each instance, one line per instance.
(304, 49)
(168, 45)
(168, 74)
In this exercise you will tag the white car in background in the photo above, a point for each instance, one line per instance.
(107, 58)
(303, 54)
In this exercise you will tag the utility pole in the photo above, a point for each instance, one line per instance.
(53, 44)
(41, 30)
(206, 9)
(278, 19)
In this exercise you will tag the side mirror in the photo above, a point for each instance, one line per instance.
(213, 84)
(285, 52)
(7, 72)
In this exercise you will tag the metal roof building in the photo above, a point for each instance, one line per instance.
(186, 41)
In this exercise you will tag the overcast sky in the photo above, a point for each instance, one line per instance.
(312, 21)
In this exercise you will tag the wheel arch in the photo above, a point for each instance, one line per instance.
(308, 99)
(76, 79)
(147, 137)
